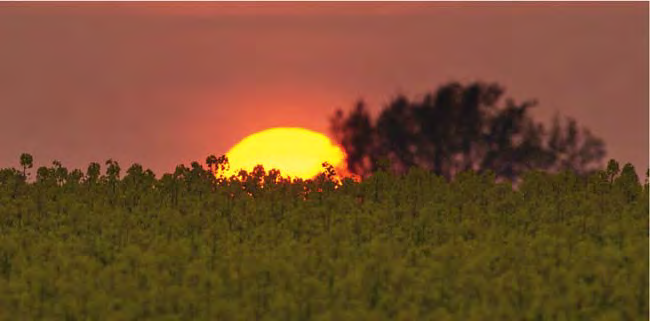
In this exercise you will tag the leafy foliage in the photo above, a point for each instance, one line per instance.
(460, 128)
(192, 245)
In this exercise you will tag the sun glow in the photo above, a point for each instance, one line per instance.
(296, 152)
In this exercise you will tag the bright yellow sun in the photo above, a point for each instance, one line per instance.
(296, 152)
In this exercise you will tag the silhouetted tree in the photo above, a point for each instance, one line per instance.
(60, 172)
(92, 173)
(612, 170)
(211, 161)
(357, 135)
(628, 183)
(113, 176)
(44, 175)
(75, 176)
(26, 161)
(460, 128)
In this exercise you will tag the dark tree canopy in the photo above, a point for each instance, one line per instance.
(463, 127)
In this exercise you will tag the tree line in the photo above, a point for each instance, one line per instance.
(109, 243)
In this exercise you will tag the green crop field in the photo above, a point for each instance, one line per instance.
(186, 246)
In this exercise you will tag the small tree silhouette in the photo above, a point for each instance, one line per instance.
(92, 173)
(26, 161)
(211, 161)
(113, 175)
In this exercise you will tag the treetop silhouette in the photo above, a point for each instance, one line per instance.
(463, 127)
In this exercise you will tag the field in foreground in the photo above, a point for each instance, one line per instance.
(85, 246)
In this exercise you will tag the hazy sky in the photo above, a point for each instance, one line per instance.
(164, 84)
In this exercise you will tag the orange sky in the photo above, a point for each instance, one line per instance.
(163, 84)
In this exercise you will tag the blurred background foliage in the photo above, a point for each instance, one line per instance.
(460, 127)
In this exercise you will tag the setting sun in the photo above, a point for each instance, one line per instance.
(296, 152)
